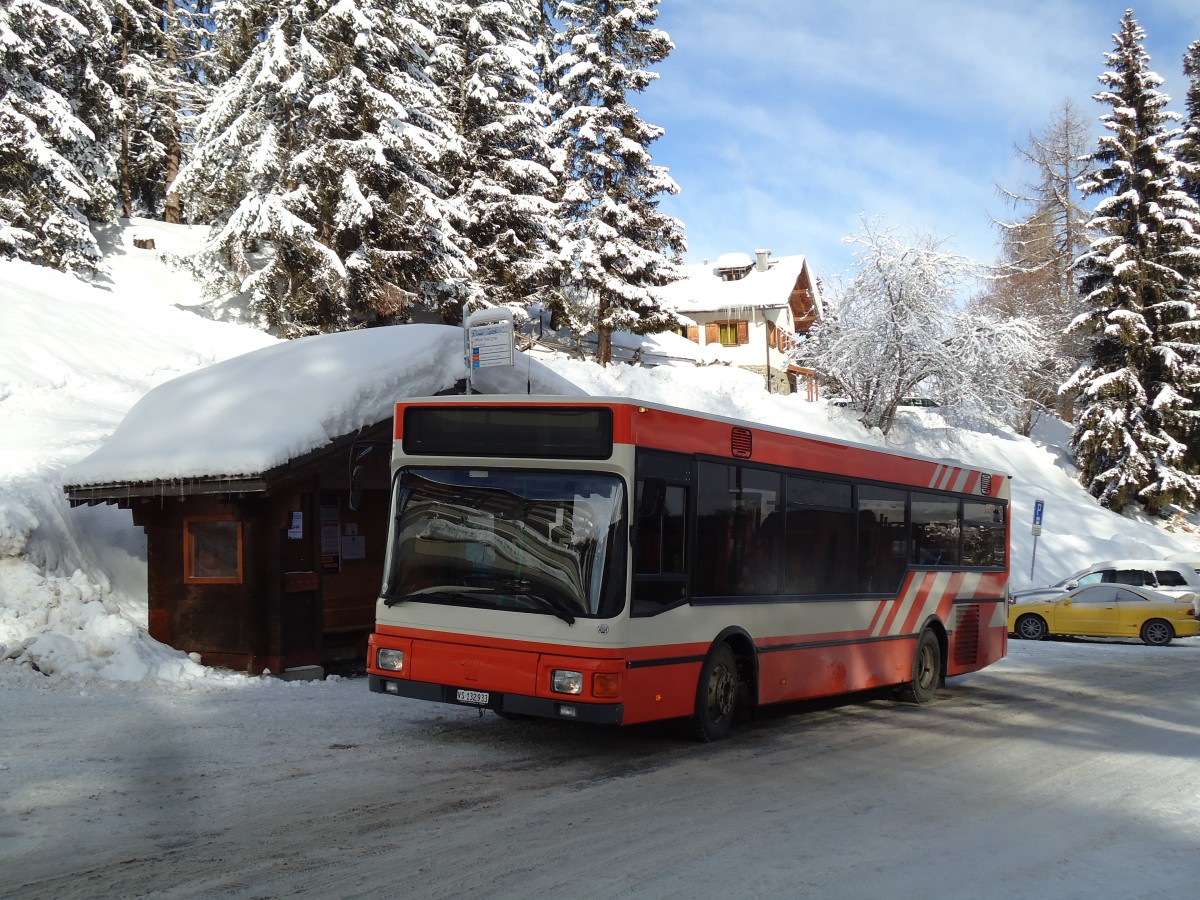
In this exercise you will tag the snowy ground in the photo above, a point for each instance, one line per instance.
(129, 769)
(1068, 770)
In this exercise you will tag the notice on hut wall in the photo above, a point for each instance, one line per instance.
(296, 529)
(354, 545)
(331, 549)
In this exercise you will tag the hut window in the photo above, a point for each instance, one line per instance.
(212, 551)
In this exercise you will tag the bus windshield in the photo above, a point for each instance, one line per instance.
(536, 541)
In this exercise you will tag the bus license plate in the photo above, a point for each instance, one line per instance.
(479, 698)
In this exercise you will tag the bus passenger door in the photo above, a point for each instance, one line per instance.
(660, 539)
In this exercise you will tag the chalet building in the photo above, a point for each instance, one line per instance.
(240, 475)
(750, 310)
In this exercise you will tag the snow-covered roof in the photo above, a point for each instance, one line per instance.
(663, 349)
(734, 261)
(703, 290)
(251, 413)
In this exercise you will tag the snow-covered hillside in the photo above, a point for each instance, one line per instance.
(75, 358)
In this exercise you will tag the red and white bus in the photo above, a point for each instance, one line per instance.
(606, 560)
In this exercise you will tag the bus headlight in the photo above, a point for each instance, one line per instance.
(564, 681)
(387, 658)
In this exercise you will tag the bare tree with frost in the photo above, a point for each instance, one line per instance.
(895, 330)
(1034, 278)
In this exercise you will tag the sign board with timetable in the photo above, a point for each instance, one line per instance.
(491, 345)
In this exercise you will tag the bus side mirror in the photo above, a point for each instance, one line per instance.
(652, 499)
(357, 475)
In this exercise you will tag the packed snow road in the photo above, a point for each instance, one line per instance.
(1067, 770)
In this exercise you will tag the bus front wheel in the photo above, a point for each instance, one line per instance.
(926, 670)
(716, 695)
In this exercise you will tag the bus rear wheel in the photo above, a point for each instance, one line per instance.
(716, 695)
(926, 670)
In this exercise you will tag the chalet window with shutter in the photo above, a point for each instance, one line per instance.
(728, 334)
(212, 551)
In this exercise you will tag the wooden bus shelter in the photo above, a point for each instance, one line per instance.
(274, 571)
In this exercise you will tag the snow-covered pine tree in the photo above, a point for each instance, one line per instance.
(1138, 389)
(618, 244)
(500, 173)
(1188, 148)
(162, 84)
(1187, 152)
(547, 44)
(239, 26)
(324, 146)
(56, 115)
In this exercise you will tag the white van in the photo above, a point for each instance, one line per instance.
(1190, 558)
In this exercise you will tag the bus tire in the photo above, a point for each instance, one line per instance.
(716, 695)
(926, 670)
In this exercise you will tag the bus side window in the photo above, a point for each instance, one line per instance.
(983, 533)
(936, 530)
(737, 543)
(820, 538)
(882, 538)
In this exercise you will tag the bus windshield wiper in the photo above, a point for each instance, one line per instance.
(448, 591)
(520, 587)
(470, 593)
(550, 606)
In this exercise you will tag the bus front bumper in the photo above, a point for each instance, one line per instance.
(514, 704)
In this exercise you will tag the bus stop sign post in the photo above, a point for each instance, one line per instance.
(1039, 508)
(489, 340)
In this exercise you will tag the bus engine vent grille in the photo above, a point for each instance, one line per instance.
(966, 635)
(985, 485)
(742, 443)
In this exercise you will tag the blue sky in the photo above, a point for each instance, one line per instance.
(787, 119)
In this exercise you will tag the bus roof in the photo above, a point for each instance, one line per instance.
(660, 430)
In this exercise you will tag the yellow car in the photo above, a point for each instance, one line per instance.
(1106, 610)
